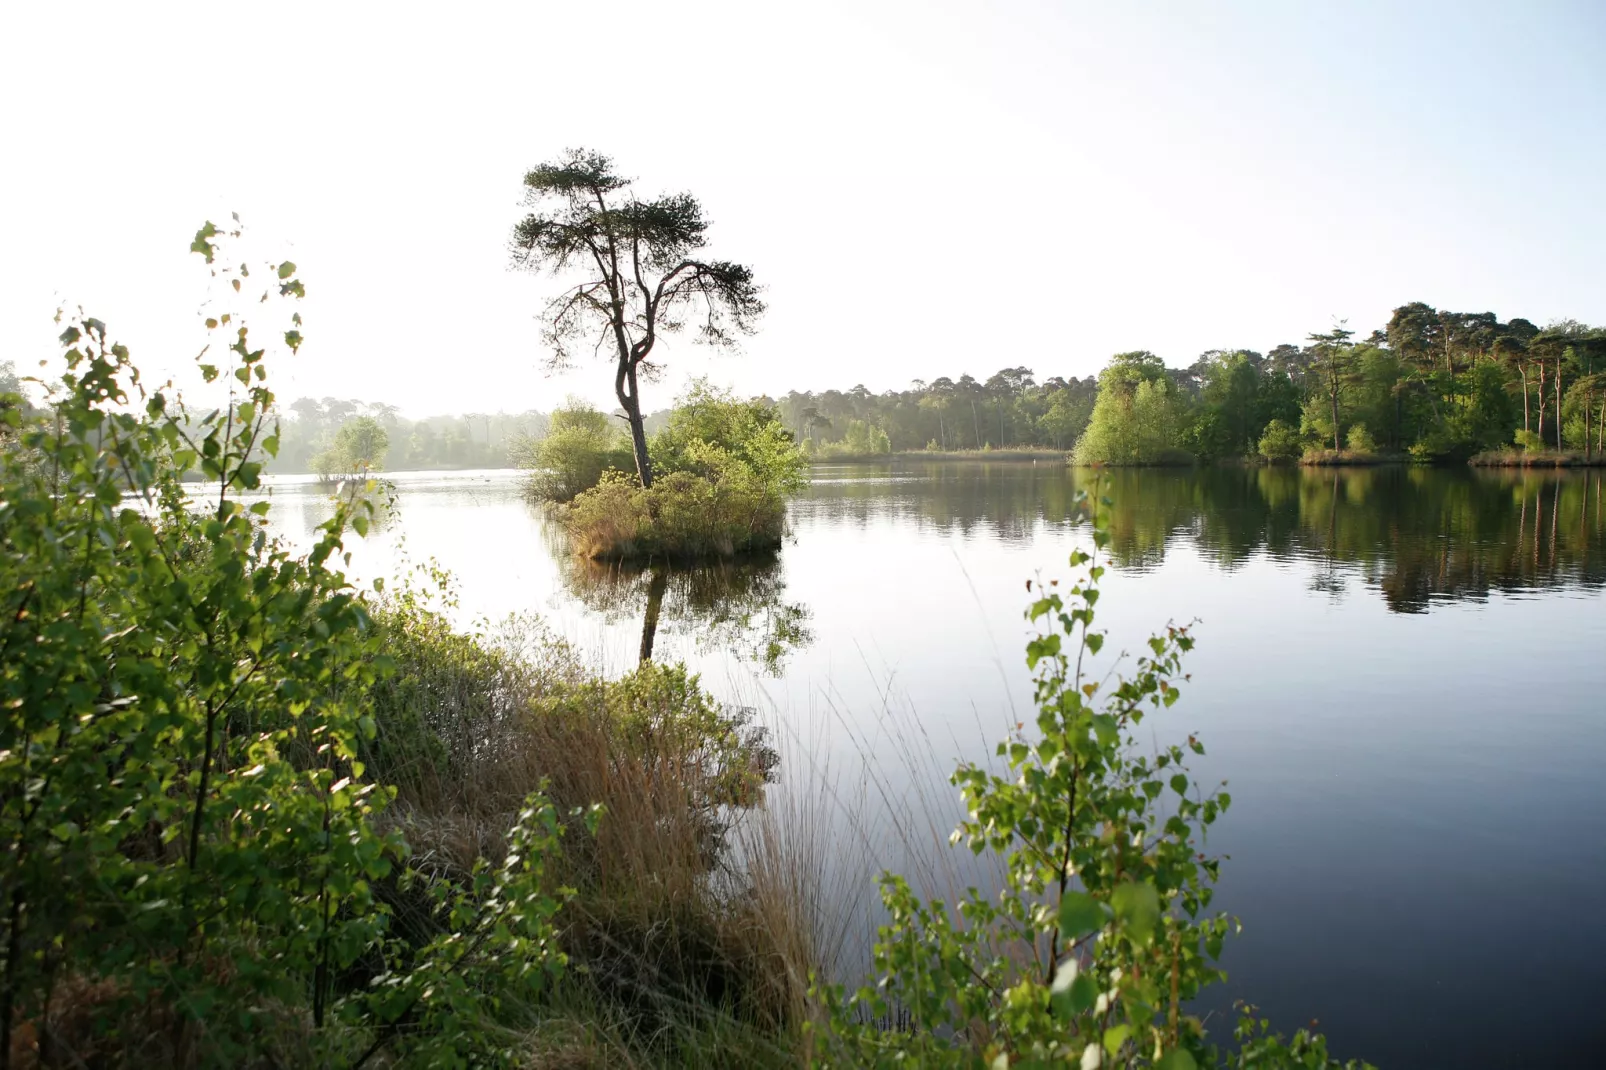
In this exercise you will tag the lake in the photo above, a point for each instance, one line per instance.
(1401, 672)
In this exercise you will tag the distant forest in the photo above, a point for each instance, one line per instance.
(1431, 384)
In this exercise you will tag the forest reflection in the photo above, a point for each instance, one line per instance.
(1418, 535)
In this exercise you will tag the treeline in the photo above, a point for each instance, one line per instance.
(1010, 410)
(311, 427)
(1430, 386)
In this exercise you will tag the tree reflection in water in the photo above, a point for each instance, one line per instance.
(1416, 535)
(737, 605)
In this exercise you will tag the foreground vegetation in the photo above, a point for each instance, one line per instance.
(250, 815)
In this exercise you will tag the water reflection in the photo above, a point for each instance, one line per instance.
(740, 606)
(1415, 535)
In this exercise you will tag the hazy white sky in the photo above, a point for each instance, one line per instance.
(926, 188)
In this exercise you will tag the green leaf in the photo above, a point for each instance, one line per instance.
(1176, 1059)
(1137, 906)
(1072, 992)
(1080, 914)
(286, 269)
(1115, 1036)
(1179, 784)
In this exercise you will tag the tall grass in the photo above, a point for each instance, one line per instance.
(682, 516)
(691, 934)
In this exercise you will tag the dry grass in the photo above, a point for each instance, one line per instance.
(1325, 457)
(1536, 459)
(673, 939)
(681, 517)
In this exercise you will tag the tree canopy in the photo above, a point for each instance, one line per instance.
(634, 271)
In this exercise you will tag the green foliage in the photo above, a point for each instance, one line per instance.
(1280, 442)
(726, 468)
(189, 845)
(1139, 417)
(713, 434)
(1008, 410)
(358, 449)
(1359, 440)
(682, 516)
(861, 440)
(1102, 932)
(579, 446)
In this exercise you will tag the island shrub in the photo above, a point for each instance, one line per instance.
(579, 446)
(726, 467)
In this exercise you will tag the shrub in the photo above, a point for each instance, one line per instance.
(711, 434)
(1138, 417)
(682, 516)
(579, 447)
(665, 956)
(1280, 442)
(724, 469)
(189, 847)
(1359, 440)
(1103, 931)
(358, 449)
(1528, 441)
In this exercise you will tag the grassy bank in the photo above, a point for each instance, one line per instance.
(1320, 458)
(1536, 459)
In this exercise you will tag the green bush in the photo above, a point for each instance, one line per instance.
(1103, 931)
(1528, 441)
(1359, 440)
(682, 516)
(1138, 418)
(580, 445)
(725, 468)
(712, 434)
(359, 448)
(1280, 442)
(189, 845)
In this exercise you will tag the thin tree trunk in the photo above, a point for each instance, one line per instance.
(1559, 444)
(1541, 428)
(1589, 406)
(655, 601)
(1522, 370)
(975, 422)
(630, 401)
(1337, 445)
(1600, 433)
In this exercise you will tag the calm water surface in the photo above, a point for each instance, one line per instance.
(1402, 674)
